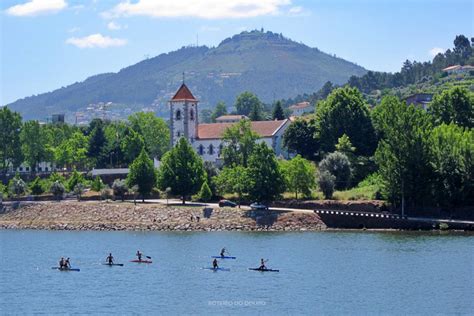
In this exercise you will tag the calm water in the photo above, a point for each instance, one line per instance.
(320, 273)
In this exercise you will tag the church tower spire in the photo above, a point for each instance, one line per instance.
(183, 115)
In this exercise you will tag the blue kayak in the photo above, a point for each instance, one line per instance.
(66, 269)
(223, 257)
(217, 269)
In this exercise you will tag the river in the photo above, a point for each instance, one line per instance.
(332, 272)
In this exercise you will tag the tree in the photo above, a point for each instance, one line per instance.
(278, 113)
(402, 153)
(345, 147)
(256, 113)
(220, 110)
(79, 190)
(345, 112)
(266, 181)
(73, 180)
(132, 145)
(10, 151)
(299, 138)
(143, 174)
(120, 188)
(153, 130)
(300, 175)
(233, 180)
(182, 170)
(452, 159)
(72, 152)
(339, 166)
(454, 105)
(211, 171)
(238, 142)
(247, 101)
(114, 133)
(462, 48)
(326, 184)
(205, 193)
(34, 144)
(97, 144)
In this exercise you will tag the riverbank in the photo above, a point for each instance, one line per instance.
(95, 215)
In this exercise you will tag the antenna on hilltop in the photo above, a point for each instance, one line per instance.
(183, 77)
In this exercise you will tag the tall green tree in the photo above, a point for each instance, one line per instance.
(132, 144)
(35, 142)
(247, 101)
(97, 145)
(339, 166)
(143, 174)
(238, 141)
(115, 132)
(266, 180)
(402, 154)
(452, 160)
(220, 110)
(154, 131)
(455, 105)
(72, 152)
(10, 151)
(299, 137)
(345, 112)
(181, 170)
(300, 175)
(278, 113)
(256, 113)
(233, 180)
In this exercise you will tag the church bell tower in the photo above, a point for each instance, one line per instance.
(183, 115)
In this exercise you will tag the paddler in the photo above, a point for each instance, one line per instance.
(214, 264)
(139, 255)
(110, 259)
(262, 264)
(61, 263)
(223, 252)
(67, 264)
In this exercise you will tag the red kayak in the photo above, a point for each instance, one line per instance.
(141, 261)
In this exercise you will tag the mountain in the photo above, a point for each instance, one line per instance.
(268, 64)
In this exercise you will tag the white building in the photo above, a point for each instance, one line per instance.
(206, 139)
(301, 108)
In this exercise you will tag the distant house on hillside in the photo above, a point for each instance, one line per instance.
(206, 139)
(419, 99)
(230, 118)
(458, 69)
(301, 108)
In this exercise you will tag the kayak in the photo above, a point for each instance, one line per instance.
(141, 261)
(217, 269)
(66, 269)
(223, 257)
(113, 264)
(264, 270)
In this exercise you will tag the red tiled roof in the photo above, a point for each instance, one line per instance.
(183, 94)
(216, 130)
(230, 117)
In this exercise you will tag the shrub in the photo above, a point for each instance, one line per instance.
(57, 189)
(36, 186)
(339, 166)
(106, 193)
(205, 193)
(97, 184)
(120, 188)
(56, 177)
(17, 186)
(78, 190)
(326, 184)
(75, 178)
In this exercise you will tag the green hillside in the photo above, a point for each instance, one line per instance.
(268, 64)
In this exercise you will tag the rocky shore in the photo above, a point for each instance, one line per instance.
(69, 215)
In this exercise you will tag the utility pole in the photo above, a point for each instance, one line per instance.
(403, 199)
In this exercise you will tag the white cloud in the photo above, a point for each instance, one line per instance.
(114, 26)
(206, 9)
(96, 40)
(36, 7)
(298, 11)
(436, 50)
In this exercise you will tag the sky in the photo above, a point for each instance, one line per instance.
(49, 44)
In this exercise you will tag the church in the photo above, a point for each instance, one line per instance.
(206, 139)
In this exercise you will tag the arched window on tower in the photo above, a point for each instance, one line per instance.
(221, 147)
(201, 150)
(191, 115)
(211, 149)
(178, 115)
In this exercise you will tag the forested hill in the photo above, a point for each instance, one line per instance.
(265, 63)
